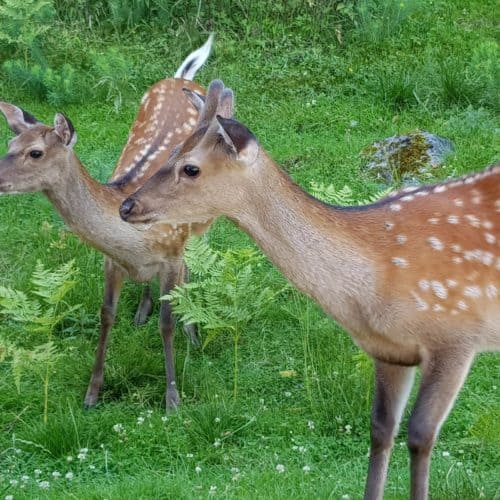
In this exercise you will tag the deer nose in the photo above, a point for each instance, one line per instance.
(126, 208)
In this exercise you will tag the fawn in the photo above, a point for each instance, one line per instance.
(414, 278)
(41, 158)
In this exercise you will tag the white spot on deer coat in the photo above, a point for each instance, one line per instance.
(420, 304)
(490, 238)
(395, 207)
(435, 243)
(472, 291)
(439, 289)
(400, 262)
(491, 291)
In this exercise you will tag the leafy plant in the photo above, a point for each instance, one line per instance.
(40, 312)
(344, 196)
(58, 87)
(23, 22)
(226, 294)
(114, 75)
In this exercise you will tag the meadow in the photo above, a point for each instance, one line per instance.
(317, 81)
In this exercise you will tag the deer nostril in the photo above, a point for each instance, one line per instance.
(126, 208)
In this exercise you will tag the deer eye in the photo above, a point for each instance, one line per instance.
(191, 170)
(36, 153)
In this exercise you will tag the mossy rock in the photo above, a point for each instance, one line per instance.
(405, 157)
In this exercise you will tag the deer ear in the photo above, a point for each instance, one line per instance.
(17, 119)
(65, 130)
(197, 100)
(226, 104)
(239, 139)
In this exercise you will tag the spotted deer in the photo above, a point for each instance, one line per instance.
(414, 278)
(41, 158)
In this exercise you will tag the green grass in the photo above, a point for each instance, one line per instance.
(314, 104)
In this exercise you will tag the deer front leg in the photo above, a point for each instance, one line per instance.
(113, 281)
(190, 329)
(168, 278)
(442, 377)
(392, 388)
(145, 307)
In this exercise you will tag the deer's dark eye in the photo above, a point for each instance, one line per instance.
(191, 170)
(36, 153)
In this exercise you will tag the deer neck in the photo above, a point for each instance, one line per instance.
(313, 244)
(91, 210)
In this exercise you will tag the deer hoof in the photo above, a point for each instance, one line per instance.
(90, 401)
(172, 399)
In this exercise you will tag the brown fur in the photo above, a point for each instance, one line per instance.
(415, 278)
(91, 208)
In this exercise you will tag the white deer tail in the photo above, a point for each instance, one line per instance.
(195, 60)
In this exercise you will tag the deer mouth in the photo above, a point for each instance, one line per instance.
(132, 210)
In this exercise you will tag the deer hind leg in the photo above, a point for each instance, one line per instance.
(113, 281)
(443, 375)
(169, 277)
(392, 388)
(190, 329)
(145, 307)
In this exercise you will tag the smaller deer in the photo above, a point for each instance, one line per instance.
(414, 278)
(41, 158)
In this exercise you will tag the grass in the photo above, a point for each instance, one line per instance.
(304, 388)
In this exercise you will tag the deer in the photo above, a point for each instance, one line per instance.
(414, 278)
(42, 158)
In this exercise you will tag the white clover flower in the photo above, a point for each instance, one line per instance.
(140, 420)
(9, 497)
(149, 413)
(348, 428)
(306, 469)
(234, 470)
(164, 418)
(302, 449)
(25, 478)
(81, 456)
(14, 482)
(84, 450)
(197, 469)
(69, 458)
(280, 468)
(288, 394)
(37, 472)
(212, 491)
(217, 443)
(118, 428)
(189, 455)
(216, 420)
(310, 425)
(346, 497)
(56, 474)
(446, 454)
(92, 467)
(44, 485)
(69, 476)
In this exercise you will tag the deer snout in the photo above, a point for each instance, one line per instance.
(127, 208)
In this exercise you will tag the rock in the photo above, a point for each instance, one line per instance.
(403, 157)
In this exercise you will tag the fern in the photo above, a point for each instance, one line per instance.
(40, 314)
(227, 295)
(345, 196)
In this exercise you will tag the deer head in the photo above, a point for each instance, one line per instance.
(217, 158)
(38, 156)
